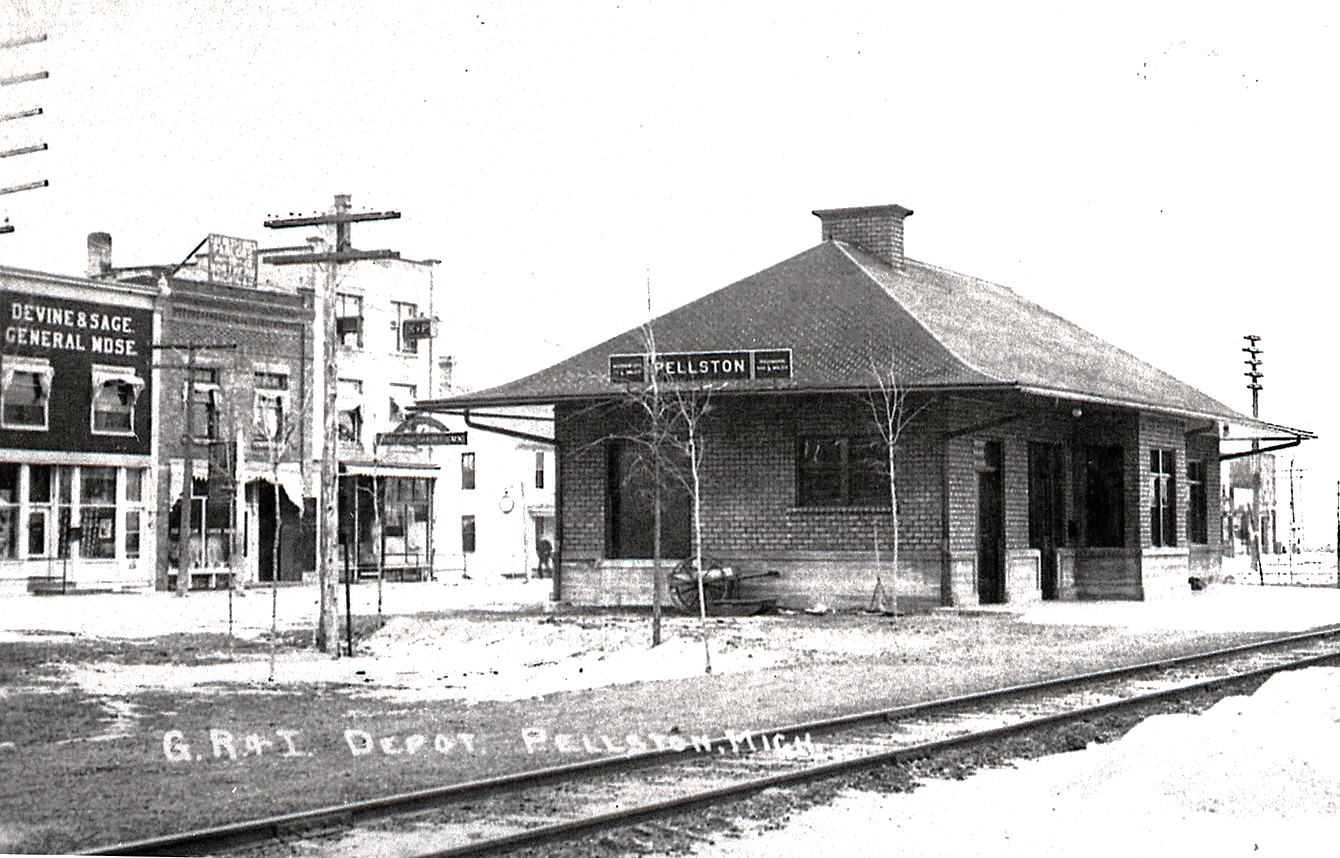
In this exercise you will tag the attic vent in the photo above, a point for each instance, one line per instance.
(877, 230)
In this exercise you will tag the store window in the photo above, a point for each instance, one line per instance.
(402, 397)
(63, 493)
(403, 312)
(115, 391)
(467, 470)
(9, 510)
(134, 511)
(97, 512)
(25, 392)
(539, 469)
(1163, 503)
(268, 410)
(349, 407)
(349, 320)
(838, 470)
(467, 534)
(39, 510)
(204, 404)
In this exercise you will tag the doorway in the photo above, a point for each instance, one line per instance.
(1046, 509)
(991, 527)
(291, 537)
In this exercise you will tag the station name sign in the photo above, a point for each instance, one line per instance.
(703, 366)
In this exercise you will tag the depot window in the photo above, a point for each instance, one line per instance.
(25, 393)
(1163, 499)
(467, 470)
(841, 470)
(115, 392)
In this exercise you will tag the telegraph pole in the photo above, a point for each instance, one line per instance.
(1254, 376)
(13, 80)
(185, 540)
(338, 221)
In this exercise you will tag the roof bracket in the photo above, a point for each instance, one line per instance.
(982, 427)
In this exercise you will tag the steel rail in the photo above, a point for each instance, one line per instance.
(565, 830)
(253, 831)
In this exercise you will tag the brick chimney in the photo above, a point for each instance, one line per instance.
(99, 254)
(877, 230)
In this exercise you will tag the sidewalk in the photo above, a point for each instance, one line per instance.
(1220, 608)
(142, 615)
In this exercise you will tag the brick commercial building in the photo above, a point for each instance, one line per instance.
(240, 340)
(1035, 461)
(76, 433)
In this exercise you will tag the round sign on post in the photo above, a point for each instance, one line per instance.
(505, 503)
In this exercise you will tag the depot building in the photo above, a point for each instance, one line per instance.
(1031, 460)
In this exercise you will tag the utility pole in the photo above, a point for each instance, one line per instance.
(13, 80)
(185, 540)
(338, 222)
(1254, 376)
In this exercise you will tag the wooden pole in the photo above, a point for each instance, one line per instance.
(185, 538)
(328, 560)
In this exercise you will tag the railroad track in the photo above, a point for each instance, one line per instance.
(537, 808)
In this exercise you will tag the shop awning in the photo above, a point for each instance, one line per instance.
(124, 375)
(387, 470)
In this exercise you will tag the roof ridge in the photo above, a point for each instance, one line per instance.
(846, 250)
(1074, 326)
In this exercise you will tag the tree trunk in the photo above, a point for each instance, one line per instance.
(658, 586)
(698, 546)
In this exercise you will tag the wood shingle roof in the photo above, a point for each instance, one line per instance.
(842, 311)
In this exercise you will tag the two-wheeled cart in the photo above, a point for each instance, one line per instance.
(722, 588)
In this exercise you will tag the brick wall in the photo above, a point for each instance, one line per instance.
(875, 229)
(751, 518)
(270, 329)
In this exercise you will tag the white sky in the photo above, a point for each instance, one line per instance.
(1163, 175)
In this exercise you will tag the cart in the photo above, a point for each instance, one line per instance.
(721, 587)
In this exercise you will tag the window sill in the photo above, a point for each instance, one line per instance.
(839, 510)
(23, 427)
(109, 433)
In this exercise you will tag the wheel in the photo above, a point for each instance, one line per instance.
(684, 585)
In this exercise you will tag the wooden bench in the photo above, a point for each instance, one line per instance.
(205, 579)
(397, 567)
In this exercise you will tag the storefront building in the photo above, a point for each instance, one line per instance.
(1030, 459)
(76, 433)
